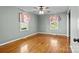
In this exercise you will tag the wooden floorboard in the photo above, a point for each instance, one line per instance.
(39, 43)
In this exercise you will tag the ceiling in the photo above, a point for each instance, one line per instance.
(51, 9)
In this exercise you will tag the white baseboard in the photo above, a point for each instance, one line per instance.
(51, 33)
(18, 39)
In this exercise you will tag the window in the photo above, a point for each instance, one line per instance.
(24, 21)
(54, 22)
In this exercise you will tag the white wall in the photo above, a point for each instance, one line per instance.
(74, 28)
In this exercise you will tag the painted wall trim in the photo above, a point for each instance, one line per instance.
(51, 33)
(18, 39)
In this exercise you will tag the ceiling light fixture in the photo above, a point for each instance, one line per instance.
(41, 12)
(41, 9)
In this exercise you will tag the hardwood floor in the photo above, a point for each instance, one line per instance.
(40, 43)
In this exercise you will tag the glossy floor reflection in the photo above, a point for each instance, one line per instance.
(40, 43)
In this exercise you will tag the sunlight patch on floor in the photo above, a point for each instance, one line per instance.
(24, 48)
